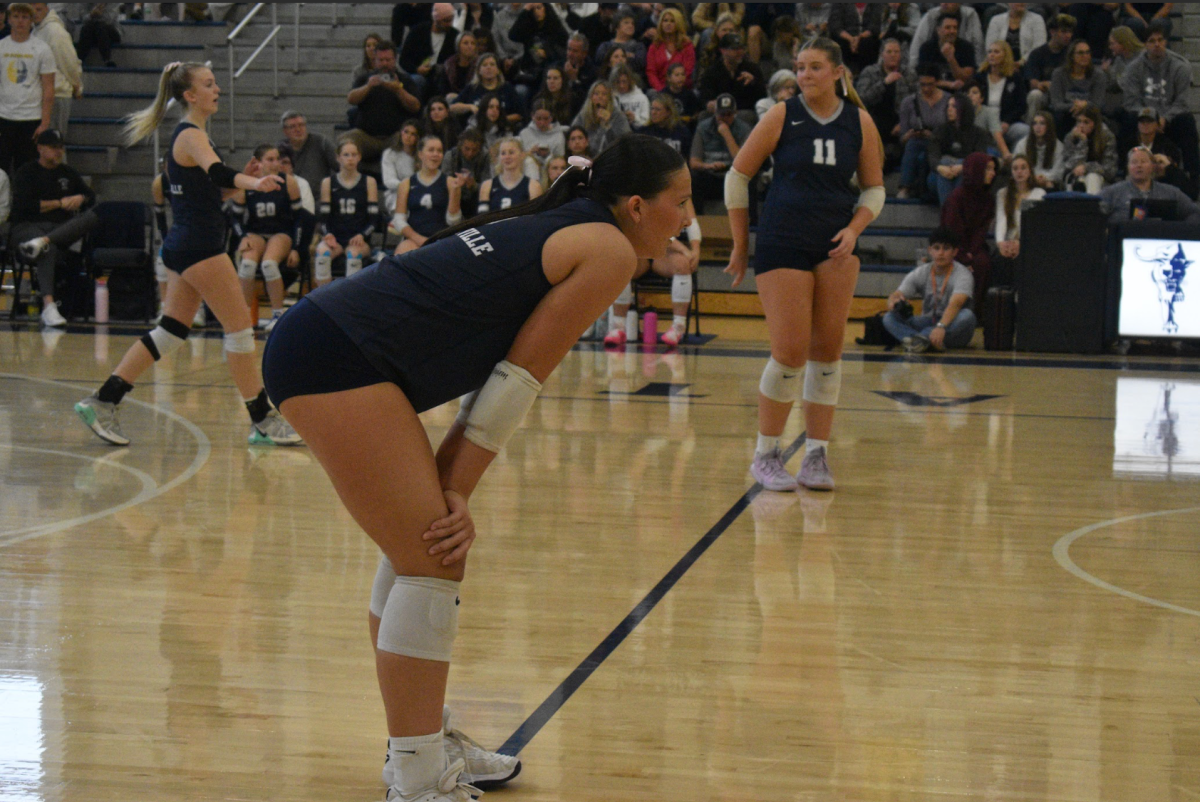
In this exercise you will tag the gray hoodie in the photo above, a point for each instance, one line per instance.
(1162, 86)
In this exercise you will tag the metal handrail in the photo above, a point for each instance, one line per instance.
(233, 76)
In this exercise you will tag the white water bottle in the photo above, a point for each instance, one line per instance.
(631, 325)
(101, 300)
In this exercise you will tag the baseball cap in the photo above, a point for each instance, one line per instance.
(1148, 114)
(726, 103)
(51, 138)
(731, 41)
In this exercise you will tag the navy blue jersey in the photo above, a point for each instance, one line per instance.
(435, 321)
(348, 209)
(427, 205)
(811, 197)
(269, 213)
(502, 197)
(197, 221)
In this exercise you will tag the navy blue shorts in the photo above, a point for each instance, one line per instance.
(308, 353)
(180, 261)
(770, 256)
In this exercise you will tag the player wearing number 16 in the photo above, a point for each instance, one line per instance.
(805, 264)
(346, 215)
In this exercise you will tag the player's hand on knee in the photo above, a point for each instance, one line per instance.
(293, 259)
(846, 239)
(455, 533)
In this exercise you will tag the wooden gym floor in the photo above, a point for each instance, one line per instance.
(999, 602)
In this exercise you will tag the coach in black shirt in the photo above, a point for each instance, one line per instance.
(50, 212)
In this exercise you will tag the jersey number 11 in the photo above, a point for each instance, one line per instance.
(825, 152)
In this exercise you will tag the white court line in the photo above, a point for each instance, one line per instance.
(203, 450)
(1062, 555)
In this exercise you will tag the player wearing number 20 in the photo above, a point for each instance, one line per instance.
(805, 264)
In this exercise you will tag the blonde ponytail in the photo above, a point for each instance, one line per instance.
(176, 79)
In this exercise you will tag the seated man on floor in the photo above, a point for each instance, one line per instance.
(947, 287)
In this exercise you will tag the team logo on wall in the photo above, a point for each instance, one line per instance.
(1153, 296)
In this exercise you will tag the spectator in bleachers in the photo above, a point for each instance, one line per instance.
(598, 27)
(1140, 16)
(988, 119)
(665, 124)
(436, 120)
(51, 206)
(733, 75)
(99, 30)
(385, 99)
(883, 88)
(1094, 22)
(68, 75)
(952, 142)
(26, 90)
(624, 32)
(555, 96)
(856, 27)
(1168, 159)
(1123, 47)
(947, 289)
(473, 16)
(687, 105)
(539, 27)
(544, 137)
(1090, 153)
(579, 143)
(709, 52)
(814, 19)
(601, 118)
(429, 200)
(672, 46)
(1076, 84)
(785, 44)
(579, 71)
(629, 96)
(900, 22)
(1161, 80)
(920, 115)
(490, 120)
(347, 215)
(510, 186)
(456, 71)
(556, 166)
(759, 21)
(1043, 151)
(367, 65)
(782, 87)
(428, 44)
(953, 56)
(313, 155)
(969, 212)
(614, 58)
(399, 161)
(1003, 89)
(287, 166)
(507, 51)
(1118, 200)
(407, 15)
(471, 163)
(707, 16)
(716, 144)
(488, 80)
(1024, 31)
(1009, 207)
(970, 29)
(1043, 61)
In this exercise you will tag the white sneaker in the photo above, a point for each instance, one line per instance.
(273, 430)
(278, 313)
(52, 317)
(101, 418)
(449, 788)
(32, 249)
(483, 769)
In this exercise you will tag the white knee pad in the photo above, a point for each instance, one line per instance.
(385, 578)
(166, 337)
(353, 265)
(681, 289)
(323, 266)
(626, 296)
(780, 382)
(823, 382)
(420, 618)
(160, 270)
(247, 269)
(240, 342)
(271, 270)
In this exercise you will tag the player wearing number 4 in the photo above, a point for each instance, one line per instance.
(346, 217)
(429, 200)
(805, 266)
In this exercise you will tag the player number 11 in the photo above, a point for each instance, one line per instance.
(825, 152)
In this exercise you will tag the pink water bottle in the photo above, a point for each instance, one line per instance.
(101, 300)
(650, 328)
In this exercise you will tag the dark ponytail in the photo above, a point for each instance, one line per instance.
(636, 164)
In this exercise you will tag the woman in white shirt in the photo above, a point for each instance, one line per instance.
(629, 96)
(399, 161)
(1008, 206)
(1022, 30)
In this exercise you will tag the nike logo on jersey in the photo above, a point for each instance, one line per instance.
(827, 372)
(799, 122)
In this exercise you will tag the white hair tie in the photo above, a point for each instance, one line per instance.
(580, 162)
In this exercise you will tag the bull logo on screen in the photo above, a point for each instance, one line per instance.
(1168, 275)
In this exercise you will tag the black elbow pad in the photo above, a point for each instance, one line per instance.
(222, 175)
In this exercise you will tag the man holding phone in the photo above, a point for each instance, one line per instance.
(428, 45)
(920, 115)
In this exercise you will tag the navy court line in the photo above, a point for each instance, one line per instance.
(546, 710)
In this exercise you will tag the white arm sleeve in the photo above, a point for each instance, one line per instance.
(501, 406)
(737, 190)
(693, 231)
(872, 199)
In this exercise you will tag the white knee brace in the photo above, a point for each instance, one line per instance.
(681, 289)
(823, 382)
(626, 296)
(353, 264)
(240, 342)
(780, 382)
(270, 270)
(323, 265)
(420, 618)
(166, 337)
(247, 269)
(385, 578)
